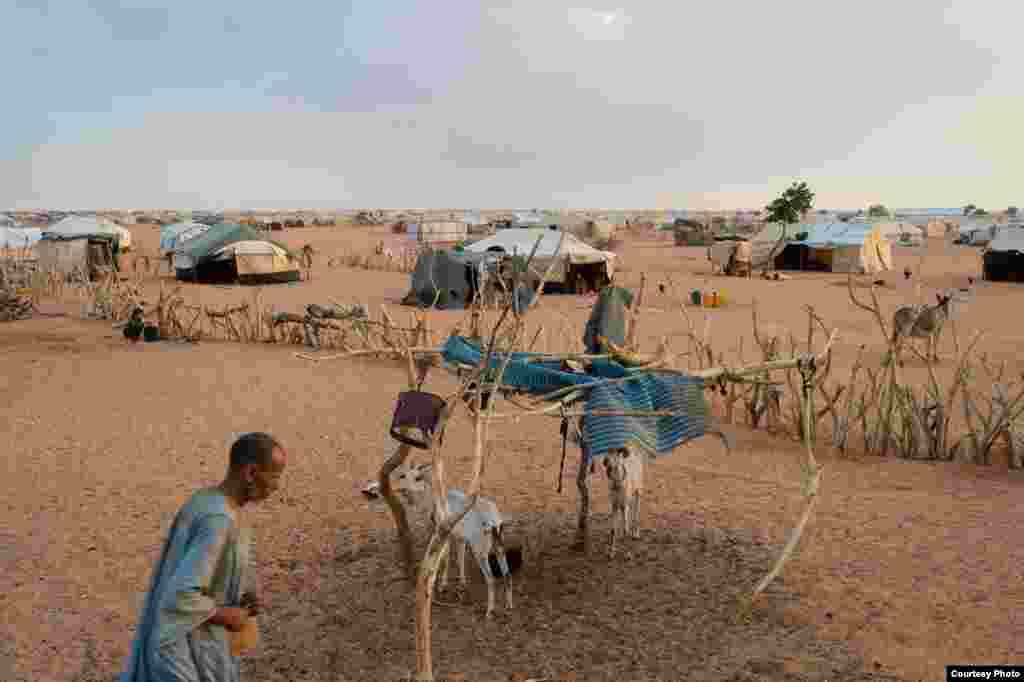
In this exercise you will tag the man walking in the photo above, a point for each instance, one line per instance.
(200, 595)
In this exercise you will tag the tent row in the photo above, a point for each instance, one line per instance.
(454, 278)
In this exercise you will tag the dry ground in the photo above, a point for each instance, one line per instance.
(905, 566)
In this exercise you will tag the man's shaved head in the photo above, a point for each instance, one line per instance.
(255, 448)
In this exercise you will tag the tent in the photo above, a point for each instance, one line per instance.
(438, 231)
(126, 237)
(769, 243)
(975, 233)
(450, 278)
(80, 244)
(234, 253)
(172, 236)
(836, 247)
(577, 258)
(19, 237)
(900, 231)
(1003, 260)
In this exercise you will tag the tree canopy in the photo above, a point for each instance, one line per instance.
(791, 205)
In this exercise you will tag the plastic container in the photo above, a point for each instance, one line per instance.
(695, 297)
(246, 638)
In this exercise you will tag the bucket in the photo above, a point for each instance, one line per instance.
(416, 410)
(695, 297)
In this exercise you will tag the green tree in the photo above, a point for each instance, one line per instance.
(980, 211)
(878, 211)
(791, 205)
(969, 209)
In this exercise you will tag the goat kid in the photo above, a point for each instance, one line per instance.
(625, 470)
(481, 529)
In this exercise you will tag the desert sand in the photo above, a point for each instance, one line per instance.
(905, 566)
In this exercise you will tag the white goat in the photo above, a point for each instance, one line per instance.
(481, 529)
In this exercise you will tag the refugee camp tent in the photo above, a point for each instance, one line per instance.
(234, 253)
(80, 244)
(856, 247)
(19, 237)
(975, 233)
(769, 243)
(1003, 260)
(577, 259)
(126, 237)
(900, 231)
(438, 232)
(172, 236)
(447, 279)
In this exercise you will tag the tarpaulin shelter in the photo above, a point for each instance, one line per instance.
(447, 279)
(174, 235)
(80, 244)
(576, 259)
(1003, 260)
(836, 247)
(235, 253)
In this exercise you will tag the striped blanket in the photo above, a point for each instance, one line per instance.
(645, 390)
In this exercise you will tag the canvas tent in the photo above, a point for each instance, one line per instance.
(576, 259)
(900, 231)
(234, 253)
(80, 244)
(447, 279)
(836, 247)
(769, 243)
(19, 237)
(435, 232)
(172, 236)
(1003, 260)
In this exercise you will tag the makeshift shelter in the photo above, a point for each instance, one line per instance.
(836, 247)
(576, 261)
(976, 233)
(769, 243)
(447, 279)
(234, 253)
(80, 244)
(173, 236)
(16, 238)
(900, 232)
(1003, 260)
(438, 232)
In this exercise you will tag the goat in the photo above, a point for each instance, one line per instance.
(922, 321)
(482, 529)
(625, 470)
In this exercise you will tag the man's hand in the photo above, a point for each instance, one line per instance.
(253, 602)
(231, 617)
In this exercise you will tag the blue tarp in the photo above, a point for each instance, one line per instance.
(644, 390)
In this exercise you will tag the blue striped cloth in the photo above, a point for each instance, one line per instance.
(651, 390)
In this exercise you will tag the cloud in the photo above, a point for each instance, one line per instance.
(528, 104)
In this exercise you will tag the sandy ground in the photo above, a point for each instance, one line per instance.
(904, 568)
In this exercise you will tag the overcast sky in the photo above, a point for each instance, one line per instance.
(129, 104)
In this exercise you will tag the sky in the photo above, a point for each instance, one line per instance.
(402, 104)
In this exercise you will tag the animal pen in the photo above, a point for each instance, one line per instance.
(628, 402)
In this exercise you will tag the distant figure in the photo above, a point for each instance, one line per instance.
(661, 288)
(135, 327)
(970, 281)
(201, 592)
(906, 272)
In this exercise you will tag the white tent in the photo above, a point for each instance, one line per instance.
(76, 226)
(574, 251)
(900, 231)
(172, 236)
(19, 237)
